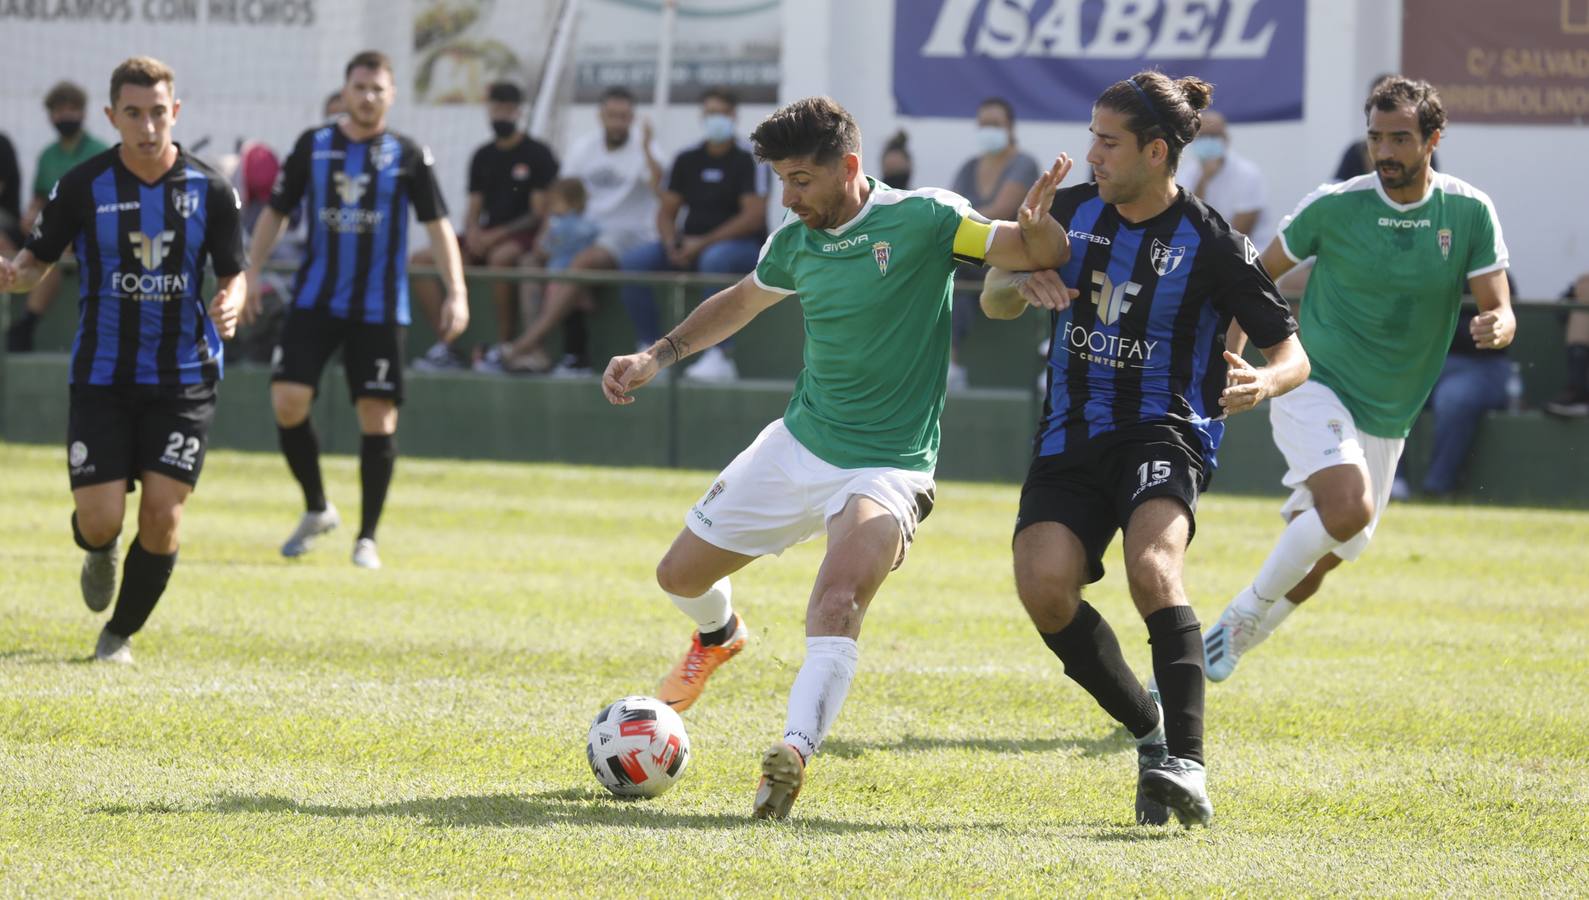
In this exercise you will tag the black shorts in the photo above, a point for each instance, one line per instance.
(1093, 492)
(372, 355)
(118, 433)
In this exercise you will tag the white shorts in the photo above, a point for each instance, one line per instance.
(776, 494)
(1314, 431)
(618, 241)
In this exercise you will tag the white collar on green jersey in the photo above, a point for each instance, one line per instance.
(865, 208)
(1434, 182)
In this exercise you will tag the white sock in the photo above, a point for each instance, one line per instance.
(819, 691)
(712, 610)
(1301, 545)
(1277, 614)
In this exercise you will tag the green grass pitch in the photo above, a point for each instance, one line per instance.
(310, 728)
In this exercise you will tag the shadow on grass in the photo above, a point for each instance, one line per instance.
(1115, 742)
(576, 806)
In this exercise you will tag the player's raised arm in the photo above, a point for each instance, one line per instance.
(1036, 240)
(719, 317)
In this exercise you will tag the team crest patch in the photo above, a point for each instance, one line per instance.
(385, 155)
(1445, 243)
(1335, 428)
(712, 494)
(185, 203)
(77, 454)
(882, 251)
(1166, 258)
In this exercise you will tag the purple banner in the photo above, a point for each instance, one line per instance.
(1052, 58)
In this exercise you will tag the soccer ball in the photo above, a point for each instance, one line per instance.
(637, 747)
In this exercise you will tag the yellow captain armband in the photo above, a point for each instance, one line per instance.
(972, 239)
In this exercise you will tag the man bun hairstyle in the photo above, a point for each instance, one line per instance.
(817, 127)
(143, 71)
(1158, 107)
(1395, 91)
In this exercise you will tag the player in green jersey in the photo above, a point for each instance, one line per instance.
(854, 453)
(1394, 249)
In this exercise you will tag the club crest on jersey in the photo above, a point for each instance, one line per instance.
(1445, 243)
(712, 494)
(151, 250)
(185, 203)
(385, 154)
(350, 187)
(1165, 258)
(882, 252)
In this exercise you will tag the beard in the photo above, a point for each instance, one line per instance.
(1393, 176)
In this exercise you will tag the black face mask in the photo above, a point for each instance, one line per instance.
(504, 127)
(900, 179)
(69, 127)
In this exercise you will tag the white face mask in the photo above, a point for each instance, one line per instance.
(718, 128)
(992, 138)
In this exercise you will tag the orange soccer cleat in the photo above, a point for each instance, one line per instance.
(683, 686)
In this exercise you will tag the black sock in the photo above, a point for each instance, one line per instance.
(143, 580)
(302, 448)
(1578, 367)
(1092, 659)
(716, 638)
(83, 542)
(377, 458)
(1178, 667)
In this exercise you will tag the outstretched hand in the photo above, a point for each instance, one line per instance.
(1034, 209)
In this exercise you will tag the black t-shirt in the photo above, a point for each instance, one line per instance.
(10, 185)
(712, 186)
(504, 179)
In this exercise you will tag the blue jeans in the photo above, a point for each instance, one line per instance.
(736, 256)
(1469, 386)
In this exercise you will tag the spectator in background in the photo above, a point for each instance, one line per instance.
(896, 161)
(508, 177)
(67, 104)
(722, 193)
(1355, 160)
(618, 165)
(568, 233)
(1472, 383)
(1228, 182)
(995, 181)
(1573, 401)
(257, 167)
(335, 106)
(10, 199)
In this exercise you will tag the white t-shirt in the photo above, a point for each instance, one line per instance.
(1236, 188)
(617, 181)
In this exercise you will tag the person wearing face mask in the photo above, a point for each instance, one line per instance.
(897, 161)
(994, 181)
(1230, 183)
(66, 104)
(508, 179)
(712, 218)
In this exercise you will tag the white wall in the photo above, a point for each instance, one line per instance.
(843, 48)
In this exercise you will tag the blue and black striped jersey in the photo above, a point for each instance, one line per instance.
(141, 250)
(1143, 343)
(359, 196)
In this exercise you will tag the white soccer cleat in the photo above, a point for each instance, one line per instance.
(1235, 633)
(311, 526)
(98, 579)
(364, 554)
(113, 648)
